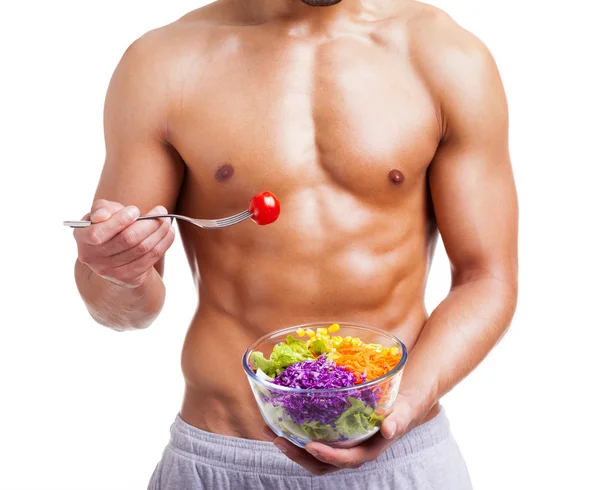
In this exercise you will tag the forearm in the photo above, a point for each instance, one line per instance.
(118, 307)
(459, 334)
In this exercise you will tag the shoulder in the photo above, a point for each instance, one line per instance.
(167, 52)
(446, 54)
(455, 64)
(436, 37)
(149, 81)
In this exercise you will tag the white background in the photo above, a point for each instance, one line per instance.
(86, 408)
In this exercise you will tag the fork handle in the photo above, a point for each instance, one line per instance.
(85, 224)
(77, 224)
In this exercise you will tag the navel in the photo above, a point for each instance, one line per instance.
(396, 177)
(224, 172)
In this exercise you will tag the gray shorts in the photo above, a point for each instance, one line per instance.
(425, 458)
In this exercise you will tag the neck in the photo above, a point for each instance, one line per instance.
(267, 10)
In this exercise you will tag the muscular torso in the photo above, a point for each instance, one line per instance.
(341, 127)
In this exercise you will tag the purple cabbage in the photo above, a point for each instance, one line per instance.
(317, 374)
(322, 407)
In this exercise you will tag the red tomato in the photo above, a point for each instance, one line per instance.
(264, 208)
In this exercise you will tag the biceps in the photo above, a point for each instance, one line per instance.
(142, 174)
(141, 168)
(475, 205)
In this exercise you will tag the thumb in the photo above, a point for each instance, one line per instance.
(103, 209)
(399, 421)
(100, 215)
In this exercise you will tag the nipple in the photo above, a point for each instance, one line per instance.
(396, 177)
(224, 172)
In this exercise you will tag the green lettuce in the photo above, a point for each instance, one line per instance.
(318, 431)
(354, 420)
(259, 362)
(321, 346)
(284, 354)
(357, 420)
(297, 346)
(314, 430)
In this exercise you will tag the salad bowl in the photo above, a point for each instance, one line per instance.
(305, 395)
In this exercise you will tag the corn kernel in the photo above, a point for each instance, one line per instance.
(348, 339)
(337, 341)
(334, 328)
(310, 333)
(322, 331)
(394, 351)
(300, 332)
(355, 341)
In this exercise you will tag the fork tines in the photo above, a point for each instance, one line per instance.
(235, 219)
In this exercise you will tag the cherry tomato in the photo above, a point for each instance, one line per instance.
(264, 208)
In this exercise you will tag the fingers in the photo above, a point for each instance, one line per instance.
(102, 231)
(101, 211)
(135, 272)
(134, 235)
(119, 248)
(321, 459)
(142, 248)
(353, 457)
(101, 207)
(301, 457)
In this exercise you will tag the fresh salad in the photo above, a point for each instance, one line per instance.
(316, 361)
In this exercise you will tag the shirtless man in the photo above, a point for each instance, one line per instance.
(376, 123)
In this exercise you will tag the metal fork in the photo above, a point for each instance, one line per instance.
(202, 223)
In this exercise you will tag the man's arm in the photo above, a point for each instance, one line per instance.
(475, 206)
(120, 261)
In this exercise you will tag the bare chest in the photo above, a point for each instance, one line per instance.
(346, 115)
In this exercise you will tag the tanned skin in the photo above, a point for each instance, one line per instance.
(377, 124)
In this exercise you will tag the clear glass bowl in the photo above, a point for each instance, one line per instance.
(339, 417)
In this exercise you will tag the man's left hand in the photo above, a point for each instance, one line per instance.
(321, 459)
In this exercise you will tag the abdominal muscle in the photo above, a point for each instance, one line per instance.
(243, 299)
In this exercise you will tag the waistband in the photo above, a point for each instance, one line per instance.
(246, 455)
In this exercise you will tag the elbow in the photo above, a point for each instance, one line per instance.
(121, 323)
(505, 277)
(119, 310)
(510, 297)
(501, 286)
(119, 317)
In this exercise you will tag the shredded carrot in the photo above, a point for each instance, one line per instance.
(365, 360)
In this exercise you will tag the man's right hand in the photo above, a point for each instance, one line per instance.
(119, 248)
